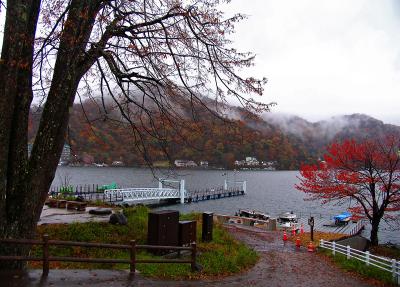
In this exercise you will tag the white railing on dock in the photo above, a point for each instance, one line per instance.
(167, 189)
(386, 264)
(152, 193)
(357, 228)
(134, 194)
(235, 184)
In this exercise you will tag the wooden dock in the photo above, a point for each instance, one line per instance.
(93, 193)
(210, 194)
(327, 225)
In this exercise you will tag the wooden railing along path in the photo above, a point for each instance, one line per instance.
(132, 248)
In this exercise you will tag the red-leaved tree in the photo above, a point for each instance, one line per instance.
(365, 173)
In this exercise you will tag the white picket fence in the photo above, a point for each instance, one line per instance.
(387, 264)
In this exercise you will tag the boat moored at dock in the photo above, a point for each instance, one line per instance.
(287, 220)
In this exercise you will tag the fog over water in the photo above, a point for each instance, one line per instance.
(272, 192)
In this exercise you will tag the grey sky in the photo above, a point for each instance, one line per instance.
(324, 57)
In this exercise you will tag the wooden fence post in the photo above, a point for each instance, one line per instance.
(348, 252)
(333, 248)
(367, 258)
(45, 254)
(394, 269)
(193, 263)
(133, 257)
(398, 270)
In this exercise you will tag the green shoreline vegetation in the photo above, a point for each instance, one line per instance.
(220, 257)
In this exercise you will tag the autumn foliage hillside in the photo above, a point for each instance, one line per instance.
(96, 136)
(93, 136)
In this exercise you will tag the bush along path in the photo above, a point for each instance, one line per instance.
(279, 265)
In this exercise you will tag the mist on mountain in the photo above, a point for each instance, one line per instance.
(97, 131)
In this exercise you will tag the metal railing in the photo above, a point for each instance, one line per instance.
(358, 227)
(141, 193)
(235, 184)
(386, 264)
(132, 248)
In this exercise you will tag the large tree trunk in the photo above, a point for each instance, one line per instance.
(50, 137)
(15, 99)
(25, 183)
(374, 230)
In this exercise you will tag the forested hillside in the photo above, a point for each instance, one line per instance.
(103, 138)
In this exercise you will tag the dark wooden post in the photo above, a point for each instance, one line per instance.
(311, 223)
(133, 257)
(193, 263)
(207, 227)
(45, 254)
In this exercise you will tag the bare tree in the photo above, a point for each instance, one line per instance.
(145, 55)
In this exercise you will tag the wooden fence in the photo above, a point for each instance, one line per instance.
(132, 248)
(386, 264)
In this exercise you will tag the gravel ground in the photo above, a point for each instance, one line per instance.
(279, 265)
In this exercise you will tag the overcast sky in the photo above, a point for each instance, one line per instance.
(325, 57)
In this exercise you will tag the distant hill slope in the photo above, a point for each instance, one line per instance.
(338, 128)
(289, 140)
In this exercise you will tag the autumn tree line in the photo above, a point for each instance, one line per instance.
(220, 141)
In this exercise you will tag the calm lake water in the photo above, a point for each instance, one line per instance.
(272, 192)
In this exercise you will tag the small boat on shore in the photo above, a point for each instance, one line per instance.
(287, 220)
(343, 218)
(253, 214)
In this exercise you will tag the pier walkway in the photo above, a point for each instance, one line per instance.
(166, 190)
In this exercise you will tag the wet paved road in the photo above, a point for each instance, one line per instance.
(279, 265)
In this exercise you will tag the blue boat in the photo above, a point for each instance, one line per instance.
(342, 218)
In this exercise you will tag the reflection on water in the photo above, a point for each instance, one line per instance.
(271, 192)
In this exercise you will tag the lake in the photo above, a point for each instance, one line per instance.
(272, 192)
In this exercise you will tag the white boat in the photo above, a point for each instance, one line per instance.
(287, 220)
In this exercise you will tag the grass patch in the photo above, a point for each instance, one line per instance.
(358, 267)
(223, 256)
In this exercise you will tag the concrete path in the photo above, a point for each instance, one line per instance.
(63, 215)
(279, 265)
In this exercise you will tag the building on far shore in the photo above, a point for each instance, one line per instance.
(269, 165)
(252, 161)
(204, 163)
(249, 161)
(184, 163)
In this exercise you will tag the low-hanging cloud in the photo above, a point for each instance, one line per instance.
(325, 58)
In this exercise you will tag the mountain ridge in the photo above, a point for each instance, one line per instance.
(336, 128)
(288, 140)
